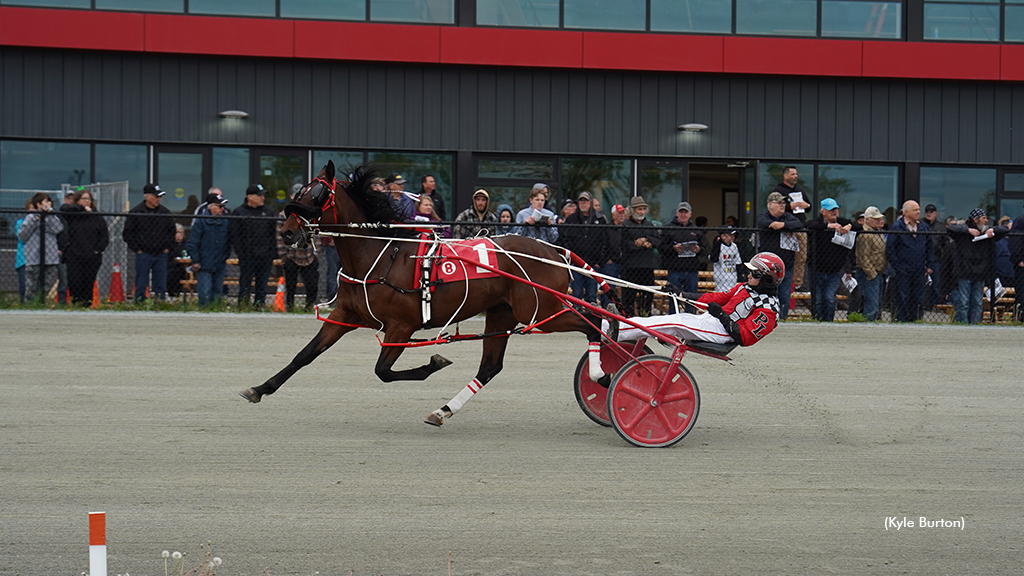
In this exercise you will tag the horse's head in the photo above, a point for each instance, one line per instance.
(308, 205)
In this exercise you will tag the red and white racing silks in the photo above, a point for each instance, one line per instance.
(756, 314)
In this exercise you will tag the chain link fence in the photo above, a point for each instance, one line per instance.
(881, 275)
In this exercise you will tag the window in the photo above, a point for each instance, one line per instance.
(770, 175)
(607, 179)
(1014, 23)
(142, 5)
(344, 161)
(606, 14)
(957, 191)
(230, 174)
(855, 188)
(324, 9)
(662, 188)
(433, 11)
(39, 166)
(859, 19)
(233, 7)
(538, 170)
(539, 14)
(962, 21)
(414, 167)
(510, 180)
(119, 162)
(777, 17)
(43, 165)
(691, 16)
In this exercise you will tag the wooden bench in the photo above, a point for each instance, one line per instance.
(188, 284)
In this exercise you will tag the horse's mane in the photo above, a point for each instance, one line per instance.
(376, 207)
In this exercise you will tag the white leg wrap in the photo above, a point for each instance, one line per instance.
(472, 388)
(595, 361)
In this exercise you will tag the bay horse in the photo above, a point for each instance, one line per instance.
(376, 288)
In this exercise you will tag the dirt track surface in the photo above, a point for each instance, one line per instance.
(802, 450)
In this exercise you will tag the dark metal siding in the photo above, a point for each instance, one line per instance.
(156, 98)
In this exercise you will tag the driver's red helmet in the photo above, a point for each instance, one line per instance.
(769, 265)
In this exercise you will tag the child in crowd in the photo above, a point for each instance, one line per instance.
(725, 257)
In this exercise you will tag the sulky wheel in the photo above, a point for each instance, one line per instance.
(591, 396)
(630, 398)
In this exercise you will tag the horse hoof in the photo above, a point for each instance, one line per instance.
(251, 395)
(440, 362)
(434, 420)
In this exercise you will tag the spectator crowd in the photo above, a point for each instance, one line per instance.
(866, 265)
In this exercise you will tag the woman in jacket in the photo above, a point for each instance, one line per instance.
(39, 233)
(88, 237)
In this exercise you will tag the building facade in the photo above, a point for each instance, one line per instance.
(874, 102)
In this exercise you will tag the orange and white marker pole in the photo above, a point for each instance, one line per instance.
(97, 544)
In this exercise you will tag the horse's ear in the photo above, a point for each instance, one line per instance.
(330, 170)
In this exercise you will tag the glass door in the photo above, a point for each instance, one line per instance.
(185, 174)
(282, 173)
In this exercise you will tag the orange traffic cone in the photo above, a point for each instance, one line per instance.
(116, 285)
(95, 295)
(279, 296)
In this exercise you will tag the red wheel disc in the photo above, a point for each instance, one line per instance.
(591, 396)
(629, 402)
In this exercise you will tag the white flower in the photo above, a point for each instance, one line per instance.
(176, 555)
(217, 560)
(165, 553)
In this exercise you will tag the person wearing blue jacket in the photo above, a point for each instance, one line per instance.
(911, 258)
(209, 246)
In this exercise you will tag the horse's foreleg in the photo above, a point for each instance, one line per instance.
(324, 339)
(500, 320)
(389, 355)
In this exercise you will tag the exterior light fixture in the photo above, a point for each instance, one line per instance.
(234, 114)
(692, 127)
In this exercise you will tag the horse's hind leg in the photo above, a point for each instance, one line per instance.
(324, 339)
(389, 355)
(499, 319)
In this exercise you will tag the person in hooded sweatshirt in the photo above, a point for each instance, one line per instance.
(471, 219)
(506, 220)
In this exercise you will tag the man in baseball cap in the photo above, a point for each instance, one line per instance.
(828, 256)
(150, 238)
(403, 202)
(254, 238)
(209, 248)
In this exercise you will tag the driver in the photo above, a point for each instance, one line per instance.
(744, 314)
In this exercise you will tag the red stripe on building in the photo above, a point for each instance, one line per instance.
(1011, 62)
(789, 56)
(97, 528)
(278, 38)
(933, 60)
(263, 37)
(505, 47)
(677, 53)
(372, 42)
(75, 29)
